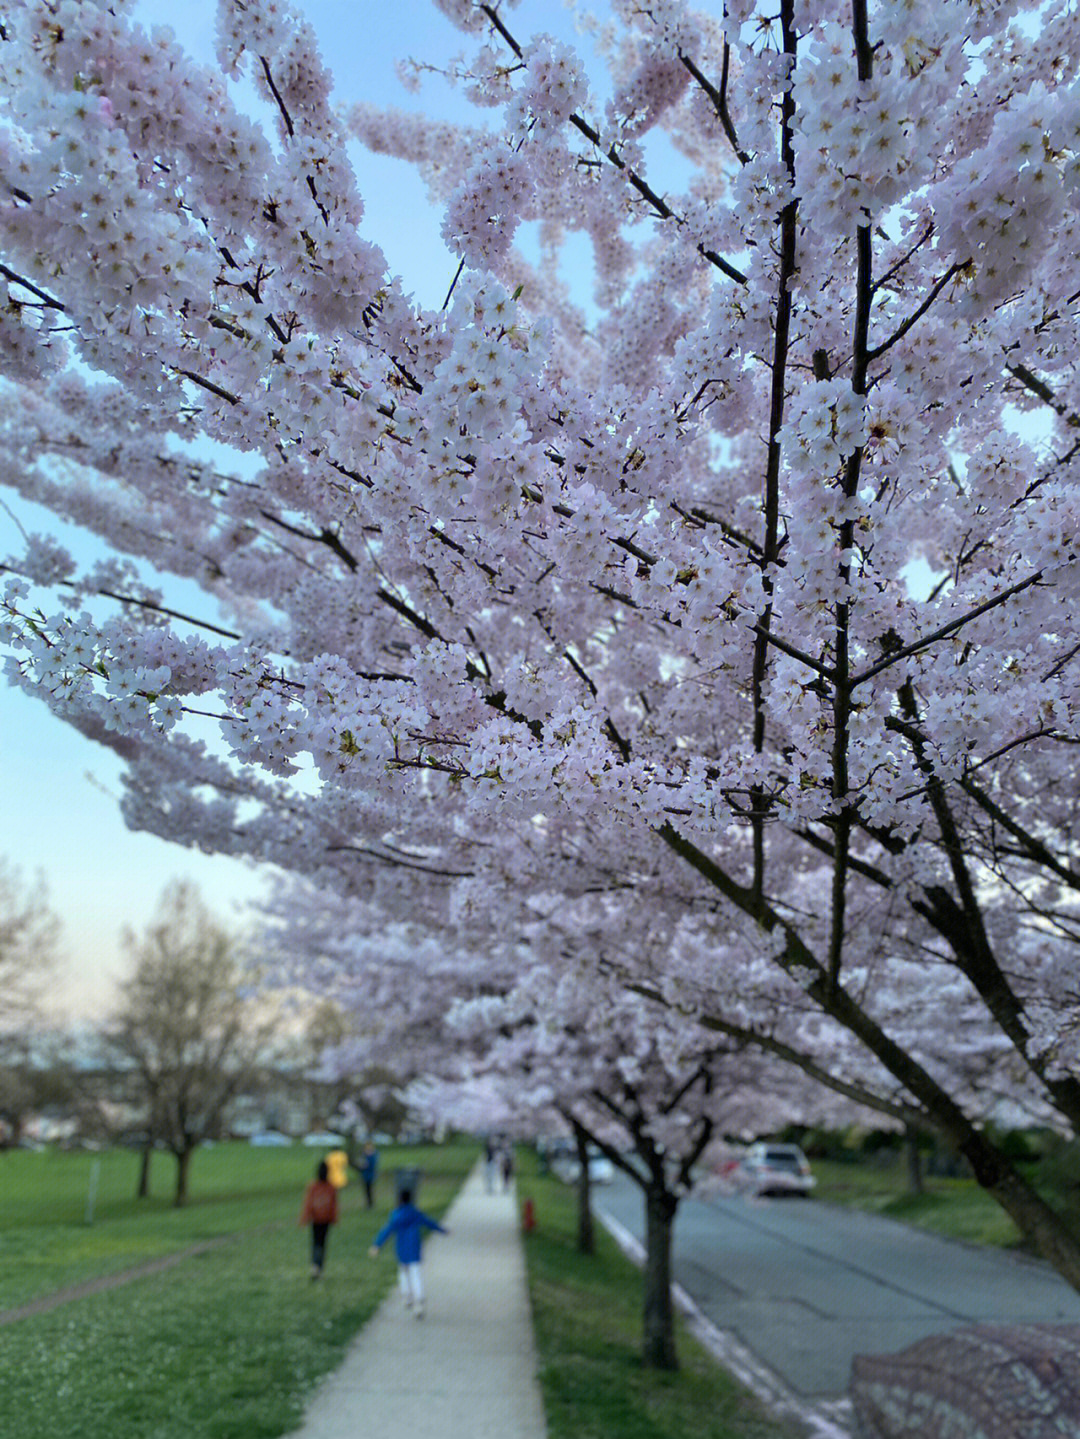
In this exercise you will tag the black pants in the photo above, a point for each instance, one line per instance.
(318, 1244)
(369, 1192)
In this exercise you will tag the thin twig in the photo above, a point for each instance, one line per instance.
(644, 189)
(453, 282)
(277, 96)
(53, 304)
(719, 99)
(913, 319)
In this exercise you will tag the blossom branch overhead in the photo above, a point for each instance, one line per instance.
(591, 590)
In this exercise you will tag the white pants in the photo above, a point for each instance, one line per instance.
(411, 1281)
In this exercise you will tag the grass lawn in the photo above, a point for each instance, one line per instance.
(46, 1243)
(225, 1345)
(587, 1318)
(957, 1208)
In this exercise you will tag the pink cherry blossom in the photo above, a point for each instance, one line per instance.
(590, 599)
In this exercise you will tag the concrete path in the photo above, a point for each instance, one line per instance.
(467, 1370)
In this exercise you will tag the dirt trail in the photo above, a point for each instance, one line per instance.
(58, 1297)
(114, 1281)
(45, 1302)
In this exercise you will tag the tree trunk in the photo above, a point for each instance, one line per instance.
(913, 1155)
(183, 1163)
(143, 1191)
(659, 1347)
(586, 1238)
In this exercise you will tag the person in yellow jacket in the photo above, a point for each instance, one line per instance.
(337, 1168)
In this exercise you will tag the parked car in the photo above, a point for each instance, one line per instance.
(775, 1169)
(601, 1169)
(566, 1166)
(323, 1139)
(266, 1138)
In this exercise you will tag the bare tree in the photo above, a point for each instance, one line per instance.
(29, 933)
(188, 1025)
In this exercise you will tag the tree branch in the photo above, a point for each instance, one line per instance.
(277, 97)
(46, 299)
(913, 319)
(647, 193)
(945, 630)
(771, 505)
(719, 99)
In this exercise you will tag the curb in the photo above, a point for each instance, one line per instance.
(821, 1421)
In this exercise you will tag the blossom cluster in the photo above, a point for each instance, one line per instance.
(553, 88)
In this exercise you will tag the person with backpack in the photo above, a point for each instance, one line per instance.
(368, 1168)
(320, 1211)
(406, 1224)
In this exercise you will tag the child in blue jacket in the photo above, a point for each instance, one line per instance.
(407, 1224)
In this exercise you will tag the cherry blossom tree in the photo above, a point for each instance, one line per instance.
(505, 1034)
(392, 982)
(542, 566)
(652, 1093)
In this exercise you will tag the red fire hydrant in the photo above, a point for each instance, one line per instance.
(528, 1216)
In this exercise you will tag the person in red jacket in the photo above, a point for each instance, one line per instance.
(320, 1211)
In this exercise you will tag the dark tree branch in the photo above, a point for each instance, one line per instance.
(647, 193)
(277, 97)
(719, 99)
(1032, 847)
(48, 300)
(882, 281)
(208, 385)
(913, 319)
(894, 657)
(781, 340)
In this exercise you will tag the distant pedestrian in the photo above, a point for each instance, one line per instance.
(407, 1224)
(367, 1169)
(506, 1165)
(320, 1211)
(337, 1165)
(490, 1155)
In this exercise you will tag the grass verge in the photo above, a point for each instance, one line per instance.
(587, 1320)
(957, 1208)
(226, 1345)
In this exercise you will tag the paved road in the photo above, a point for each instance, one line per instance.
(806, 1286)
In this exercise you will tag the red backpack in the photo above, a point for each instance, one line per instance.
(322, 1204)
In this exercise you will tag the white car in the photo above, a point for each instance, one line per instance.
(269, 1138)
(775, 1169)
(601, 1169)
(323, 1139)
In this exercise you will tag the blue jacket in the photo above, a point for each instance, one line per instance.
(406, 1225)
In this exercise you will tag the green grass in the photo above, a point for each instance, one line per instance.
(46, 1243)
(587, 1318)
(957, 1208)
(224, 1345)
